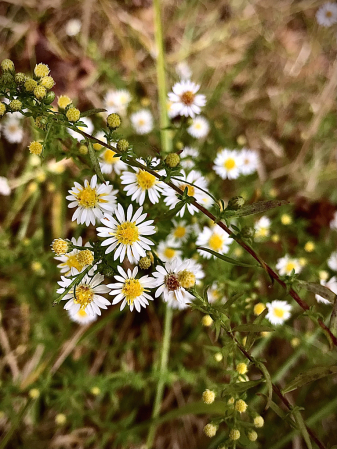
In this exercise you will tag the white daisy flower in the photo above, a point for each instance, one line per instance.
(262, 228)
(92, 201)
(278, 311)
(125, 235)
(215, 239)
(188, 157)
(196, 269)
(214, 293)
(228, 164)
(194, 178)
(140, 182)
(142, 121)
(86, 295)
(332, 285)
(81, 317)
(180, 305)
(132, 291)
(180, 231)
(117, 101)
(199, 127)
(184, 99)
(169, 281)
(206, 201)
(183, 70)
(73, 27)
(88, 129)
(332, 261)
(171, 112)
(286, 264)
(110, 162)
(70, 265)
(327, 14)
(249, 161)
(4, 186)
(12, 130)
(167, 250)
(333, 222)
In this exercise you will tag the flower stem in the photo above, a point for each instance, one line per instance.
(162, 371)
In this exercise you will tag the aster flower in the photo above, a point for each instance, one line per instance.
(86, 295)
(214, 293)
(184, 99)
(110, 162)
(130, 290)
(278, 311)
(169, 281)
(215, 239)
(70, 264)
(228, 164)
(139, 183)
(199, 127)
(142, 121)
(92, 201)
(188, 157)
(171, 112)
(180, 231)
(327, 14)
(183, 70)
(117, 101)
(332, 261)
(4, 187)
(332, 285)
(87, 129)
(81, 317)
(182, 304)
(73, 27)
(194, 178)
(125, 235)
(249, 161)
(12, 130)
(262, 227)
(286, 264)
(167, 250)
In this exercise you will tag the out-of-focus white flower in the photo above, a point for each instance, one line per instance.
(168, 250)
(110, 161)
(215, 239)
(184, 100)
(187, 157)
(81, 317)
(332, 261)
(286, 264)
(88, 129)
(142, 121)
(199, 127)
(333, 222)
(249, 161)
(183, 70)
(327, 14)
(4, 186)
(73, 27)
(228, 164)
(332, 285)
(278, 311)
(262, 228)
(12, 130)
(117, 101)
(180, 231)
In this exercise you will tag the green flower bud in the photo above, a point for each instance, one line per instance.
(172, 160)
(144, 263)
(122, 145)
(50, 97)
(236, 203)
(247, 232)
(7, 65)
(113, 121)
(7, 79)
(41, 122)
(20, 78)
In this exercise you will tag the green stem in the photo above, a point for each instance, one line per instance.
(161, 79)
(162, 374)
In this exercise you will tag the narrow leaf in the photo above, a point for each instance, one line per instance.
(171, 213)
(228, 259)
(94, 161)
(266, 374)
(310, 376)
(253, 328)
(251, 337)
(302, 427)
(240, 387)
(92, 112)
(318, 289)
(255, 208)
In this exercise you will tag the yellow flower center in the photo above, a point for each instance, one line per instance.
(215, 242)
(82, 313)
(141, 122)
(109, 157)
(132, 289)
(328, 14)
(169, 253)
(262, 232)
(13, 127)
(186, 278)
(197, 125)
(127, 233)
(179, 232)
(229, 164)
(279, 312)
(290, 267)
(187, 97)
(145, 180)
(190, 189)
(84, 295)
(87, 197)
(73, 262)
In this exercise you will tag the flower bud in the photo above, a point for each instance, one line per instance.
(236, 203)
(15, 105)
(20, 78)
(234, 434)
(41, 122)
(7, 79)
(122, 145)
(40, 92)
(41, 70)
(63, 101)
(30, 84)
(258, 422)
(35, 148)
(73, 115)
(208, 396)
(47, 82)
(61, 246)
(50, 97)
(210, 430)
(247, 232)
(60, 419)
(172, 160)
(7, 65)
(241, 368)
(240, 406)
(207, 320)
(252, 435)
(113, 121)
(144, 263)
(83, 149)
(3, 109)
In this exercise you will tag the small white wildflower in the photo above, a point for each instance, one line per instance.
(199, 127)
(4, 187)
(332, 261)
(87, 129)
(286, 264)
(278, 311)
(184, 100)
(73, 27)
(215, 239)
(332, 285)
(327, 14)
(228, 164)
(142, 121)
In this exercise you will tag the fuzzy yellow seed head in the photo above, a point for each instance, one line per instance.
(85, 257)
(47, 82)
(60, 419)
(40, 92)
(144, 263)
(95, 391)
(210, 430)
(35, 148)
(186, 278)
(84, 149)
(34, 393)
(218, 357)
(20, 78)
(3, 109)
(30, 84)
(252, 435)
(259, 308)
(206, 321)
(286, 219)
(73, 114)
(41, 70)
(172, 160)
(60, 246)
(309, 247)
(240, 406)
(234, 434)
(7, 65)
(208, 396)
(113, 121)
(241, 368)
(15, 105)
(258, 422)
(63, 101)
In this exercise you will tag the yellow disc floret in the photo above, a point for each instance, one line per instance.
(34, 393)
(208, 396)
(47, 82)
(95, 391)
(30, 84)
(84, 295)
(207, 320)
(216, 242)
(234, 434)
(179, 232)
(210, 430)
(35, 148)
(60, 419)
(145, 180)
(7, 65)
(132, 289)
(15, 105)
(60, 246)
(240, 406)
(309, 247)
(73, 114)
(85, 257)
(186, 278)
(229, 164)
(258, 421)
(127, 233)
(286, 219)
(3, 109)
(63, 101)
(41, 70)
(87, 197)
(259, 308)
(109, 157)
(241, 368)
(40, 92)
(190, 189)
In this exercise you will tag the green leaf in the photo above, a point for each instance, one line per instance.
(302, 427)
(318, 289)
(255, 208)
(240, 387)
(92, 112)
(251, 337)
(171, 213)
(310, 376)
(253, 328)
(94, 161)
(267, 377)
(229, 259)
